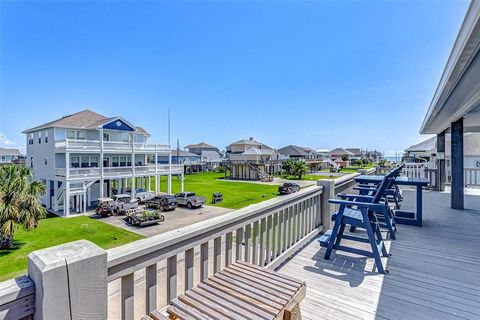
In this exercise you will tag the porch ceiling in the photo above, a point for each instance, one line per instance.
(458, 92)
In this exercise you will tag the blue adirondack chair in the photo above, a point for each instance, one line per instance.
(358, 214)
(392, 191)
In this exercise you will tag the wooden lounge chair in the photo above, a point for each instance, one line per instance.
(239, 291)
(358, 214)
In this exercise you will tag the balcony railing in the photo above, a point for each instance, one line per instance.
(108, 146)
(265, 234)
(109, 172)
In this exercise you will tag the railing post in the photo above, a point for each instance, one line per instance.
(328, 193)
(70, 281)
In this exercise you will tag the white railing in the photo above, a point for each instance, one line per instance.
(472, 176)
(109, 172)
(108, 146)
(73, 280)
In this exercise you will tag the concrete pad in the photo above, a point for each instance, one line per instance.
(175, 219)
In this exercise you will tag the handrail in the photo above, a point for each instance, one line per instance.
(134, 256)
(17, 298)
(81, 144)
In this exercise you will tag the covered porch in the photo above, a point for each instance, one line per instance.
(433, 269)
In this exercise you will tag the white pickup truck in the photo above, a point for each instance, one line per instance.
(123, 202)
(190, 200)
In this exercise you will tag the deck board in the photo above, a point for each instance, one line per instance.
(434, 270)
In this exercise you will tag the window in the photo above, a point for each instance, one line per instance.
(125, 137)
(39, 137)
(106, 137)
(123, 161)
(46, 136)
(46, 161)
(70, 134)
(129, 161)
(85, 162)
(31, 162)
(81, 135)
(30, 138)
(114, 161)
(93, 161)
(75, 161)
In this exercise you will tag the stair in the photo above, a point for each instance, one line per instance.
(263, 175)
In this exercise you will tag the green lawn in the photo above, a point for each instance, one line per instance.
(54, 231)
(235, 194)
(354, 169)
(310, 177)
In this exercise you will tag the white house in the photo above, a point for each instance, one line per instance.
(86, 156)
(9, 155)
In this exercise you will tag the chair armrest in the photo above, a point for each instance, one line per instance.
(371, 206)
(355, 197)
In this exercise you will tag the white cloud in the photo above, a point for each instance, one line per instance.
(5, 142)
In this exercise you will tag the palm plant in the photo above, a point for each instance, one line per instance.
(19, 203)
(299, 168)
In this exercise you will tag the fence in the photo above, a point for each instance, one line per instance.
(73, 280)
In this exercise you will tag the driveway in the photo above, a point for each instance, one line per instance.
(178, 218)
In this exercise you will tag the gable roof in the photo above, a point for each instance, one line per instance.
(355, 151)
(341, 151)
(251, 142)
(200, 145)
(253, 150)
(292, 150)
(85, 119)
(425, 145)
(9, 152)
(182, 153)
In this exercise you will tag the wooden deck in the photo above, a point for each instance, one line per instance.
(434, 270)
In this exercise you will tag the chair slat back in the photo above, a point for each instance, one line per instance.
(384, 185)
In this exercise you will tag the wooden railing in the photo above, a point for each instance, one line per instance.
(94, 146)
(81, 280)
(472, 176)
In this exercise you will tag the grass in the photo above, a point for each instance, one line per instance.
(236, 194)
(53, 231)
(310, 177)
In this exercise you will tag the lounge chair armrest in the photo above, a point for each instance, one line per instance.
(355, 197)
(371, 206)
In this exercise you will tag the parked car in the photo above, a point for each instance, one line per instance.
(105, 207)
(141, 194)
(123, 202)
(190, 200)
(288, 187)
(162, 202)
(144, 217)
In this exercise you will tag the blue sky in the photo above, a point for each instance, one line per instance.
(318, 74)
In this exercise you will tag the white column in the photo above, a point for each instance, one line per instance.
(156, 173)
(49, 197)
(66, 202)
(70, 281)
(183, 182)
(169, 183)
(89, 196)
(133, 166)
(101, 163)
(84, 196)
(148, 183)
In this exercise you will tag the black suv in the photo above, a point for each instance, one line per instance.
(163, 202)
(288, 187)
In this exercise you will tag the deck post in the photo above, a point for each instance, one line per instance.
(441, 172)
(70, 281)
(327, 209)
(457, 192)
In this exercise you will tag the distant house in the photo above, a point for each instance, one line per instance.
(252, 160)
(210, 156)
(356, 153)
(421, 152)
(293, 152)
(8, 156)
(341, 156)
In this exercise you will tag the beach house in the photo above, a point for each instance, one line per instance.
(86, 156)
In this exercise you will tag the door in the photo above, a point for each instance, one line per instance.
(106, 162)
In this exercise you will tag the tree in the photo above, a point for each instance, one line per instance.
(287, 166)
(19, 203)
(359, 163)
(299, 169)
(345, 157)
